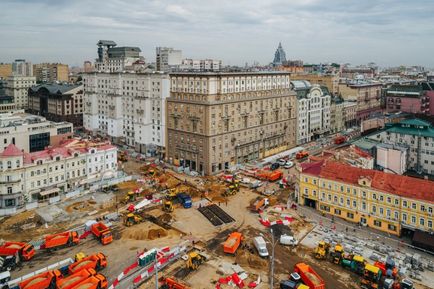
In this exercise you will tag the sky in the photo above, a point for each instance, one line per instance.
(387, 32)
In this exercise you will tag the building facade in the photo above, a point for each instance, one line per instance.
(129, 108)
(7, 104)
(416, 135)
(407, 98)
(367, 94)
(329, 80)
(58, 102)
(31, 132)
(17, 87)
(51, 72)
(37, 176)
(386, 202)
(167, 58)
(201, 65)
(21, 67)
(115, 59)
(87, 66)
(337, 119)
(218, 120)
(350, 113)
(5, 70)
(313, 111)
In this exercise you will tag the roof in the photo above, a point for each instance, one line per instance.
(11, 151)
(106, 43)
(412, 127)
(55, 88)
(415, 121)
(403, 186)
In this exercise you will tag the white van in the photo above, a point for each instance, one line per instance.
(261, 246)
(288, 240)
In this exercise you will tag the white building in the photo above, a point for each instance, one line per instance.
(27, 177)
(127, 107)
(116, 59)
(31, 132)
(17, 87)
(22, 68)
(313, 111)
(201, 65)
(391, 158)
(167, 58)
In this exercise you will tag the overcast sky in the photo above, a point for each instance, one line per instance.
(388, 32)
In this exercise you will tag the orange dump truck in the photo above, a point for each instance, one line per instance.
(232, 243)
(97, 281)
(309, 276)
(75, 279)
(25, 251)
(270, 176)
(102, 233)
(95, 262)
(46, 280)
(60, 240)
(301, 155)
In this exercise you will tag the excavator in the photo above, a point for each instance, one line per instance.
(337, 254)
(168, 206)
(322, 250)
(130, 197)
(195, 259)
(132, 219)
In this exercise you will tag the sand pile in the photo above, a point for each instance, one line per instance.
(245, 258)
(20, 219)
(141, 234)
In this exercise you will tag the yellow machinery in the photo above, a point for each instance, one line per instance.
(171, 194)
(168, 206)
(337, 254)
(130, 197)
(322, 250)
(194, 260)
(371, 277)
(132, 219)
(80, 256)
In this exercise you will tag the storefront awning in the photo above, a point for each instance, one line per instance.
(49, 192)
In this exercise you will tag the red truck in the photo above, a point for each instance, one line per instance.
(23, 250)
(102, 233)
(309, 276)
(45, 280)
(270, 176)
(301, 155)
(98, 281)
(340, 139)
(75, 279)
(96, 262)
(61, 240)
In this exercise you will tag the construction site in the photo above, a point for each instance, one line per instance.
(181, 231)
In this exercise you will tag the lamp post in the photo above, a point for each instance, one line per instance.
(273, 245)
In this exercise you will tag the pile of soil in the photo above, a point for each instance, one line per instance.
(81, 206)
(18, 220)
(165, 218)
(245, 259)
(141, 234)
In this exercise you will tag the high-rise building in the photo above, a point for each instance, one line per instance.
(167, 58)
(279, 56)
(87, 66)
(17, 87)
(22, 68)
(127, 107)
(218, 120)
(5, 70)
(51, 72)
(116, 59)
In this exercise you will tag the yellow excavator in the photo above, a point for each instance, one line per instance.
(168, 206)
(337, 254)
(322, 250)
(132, 219)
(195, 259)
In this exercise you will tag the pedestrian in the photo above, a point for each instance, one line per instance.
(159, 234)
(226, 201)
(219, 204)
(346, 229)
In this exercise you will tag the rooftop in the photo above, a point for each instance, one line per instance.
(394, 184)
(229, 73)
(106, 43)
(412, 127)
(19, 118)
(55, 88)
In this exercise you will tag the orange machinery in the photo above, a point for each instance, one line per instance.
(232, 243)
(61, 240)
(96, 262)
(309, 276)
(74, 279)
(173, 284)
(301, 155)
(43, 280)
(25, 251)
(270, 176)
(102, 233)
(97, 281)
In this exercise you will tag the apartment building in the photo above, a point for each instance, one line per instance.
(331, 81)
(218, 120)
(37, 176)
(21, 67)
(387, 202)
(127, 107)
(5, 70)
(167, 58)
(337, 119)
(31, 132)
(201, 65)
(58, 102)
(7, 104)
(350, 113)
(366, 93)
(416, 135)
(407, 98)
(17, 87)
(51, 72)
(116, 59)
(313, 110)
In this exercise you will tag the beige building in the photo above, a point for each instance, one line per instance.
(331, 81)
(51, 72)
(17, 88)
(337, 121)
(350, 113)
(218, 120)
(5, 70)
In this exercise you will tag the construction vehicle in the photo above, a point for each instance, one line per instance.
(65, 239)
(270, 176)
(171, 194)
(309, 277)
(301, 155)
(96, 262)
(232, 243)
(45, 280)
(5, 277)
(25, 251)
(371, 277)
(170, 283)
(388, 268)
(355, 263)
(79, 256)
(337, 254)
(102, 233)
(340, 139)
(130, 197)
(195, 259)
(9, 262)
(289, 284)
(132, 219)
(185, 200)
(322, 250)
(168, 206)
(97, 281)
(259, 204)
(74, 279)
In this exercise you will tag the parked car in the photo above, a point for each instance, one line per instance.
(281, 162)
(288, 240)
(275, 166)
(288, 165)
(255, 184)
(261, 246)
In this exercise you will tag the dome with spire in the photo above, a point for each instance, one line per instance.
(279, 56)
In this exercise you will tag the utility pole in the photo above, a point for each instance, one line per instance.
(272, 260)
(156, 271)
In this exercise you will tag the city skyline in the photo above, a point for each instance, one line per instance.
(389, 33)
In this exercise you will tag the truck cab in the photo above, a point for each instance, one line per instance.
(185, 200)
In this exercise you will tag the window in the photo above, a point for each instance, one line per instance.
(374, 196)
(354, 204)
(430, 210)
(337, 211)
(377, 223)
(413, 206)
(391, 227)
(381, 211)
(404, 217)
(413, 219)
(429, 224)
(389, 200)
(396, 202)
(381, 198)
(9, 190)
(374, 209)
(422, 221)
(350, 215)
(404, 204)
(422, 208)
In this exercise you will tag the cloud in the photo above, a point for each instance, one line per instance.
(389, 32)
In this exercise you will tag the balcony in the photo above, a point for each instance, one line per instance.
(9, 181)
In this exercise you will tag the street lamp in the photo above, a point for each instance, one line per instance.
(273, 245)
